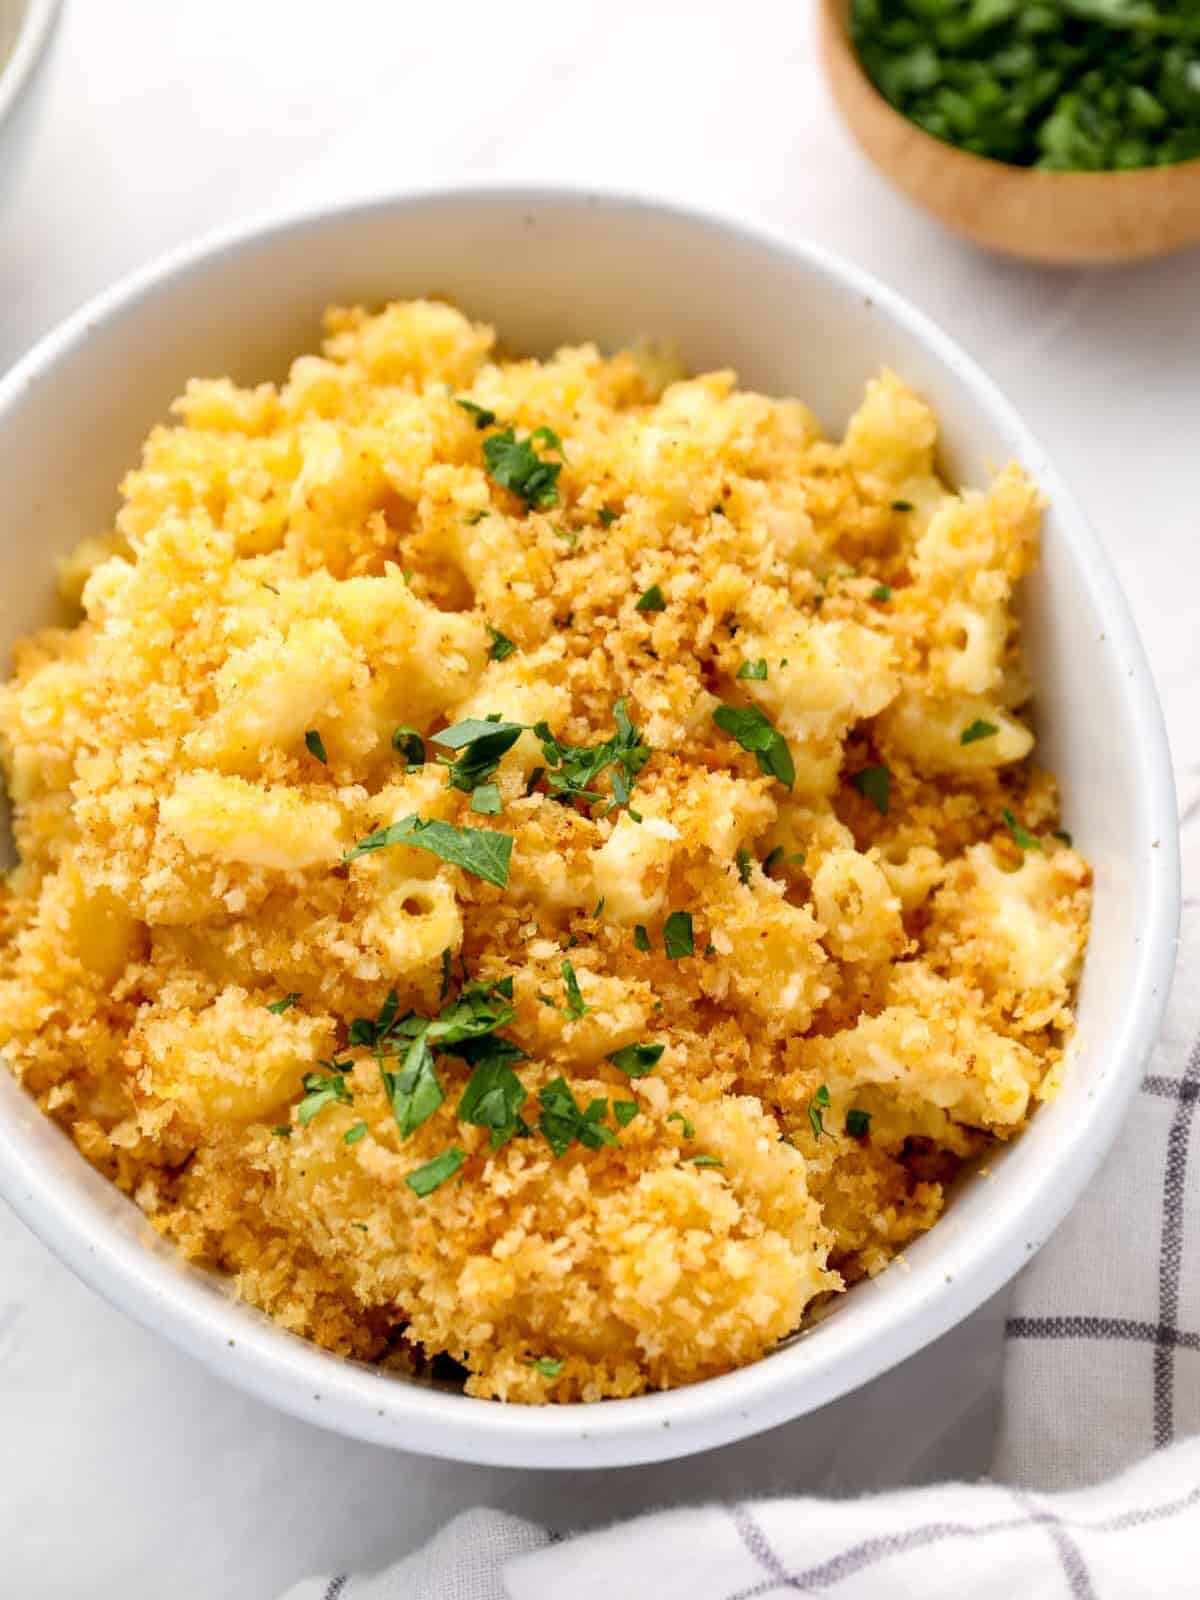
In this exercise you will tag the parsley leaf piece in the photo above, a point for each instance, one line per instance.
(652, 600)
(574, 769)
(546, 1365)
(1021, 835)
(641, 939)
(1061, 833)
(576, 1005)
(599, 907)
(479, 415)
(858, 1124)
(606, 517)
(479, 1010)
(772, 857)
(483, 742)
(689, 1131)
(502, 645)
(515, 465)
(817, 1106)
(678, 939)
(284, 1004)
(478, 851)
(875, 785)
(408, 743)
(315, 746)
(415, 1091)
(563, 1121)
(321, 1090)
(881, 591)
(624, 1111)
(284, 1131)
(636, 1060)
(494, 1096)
(705, 1161)
(424, 1180)
(754, 732)
(744, 861)
(354, 1133)
(903, 505)
(534, 778)
(445, 989)
(979, 729)
(756, 671)
(485, 800)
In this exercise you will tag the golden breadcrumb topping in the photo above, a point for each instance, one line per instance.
(664, 996)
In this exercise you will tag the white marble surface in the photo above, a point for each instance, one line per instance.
(126, 1470)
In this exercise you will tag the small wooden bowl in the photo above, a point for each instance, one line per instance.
(1058, 218)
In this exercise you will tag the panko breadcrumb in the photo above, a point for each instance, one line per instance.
(830, 937)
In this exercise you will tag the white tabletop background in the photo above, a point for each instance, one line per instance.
(125, 1470)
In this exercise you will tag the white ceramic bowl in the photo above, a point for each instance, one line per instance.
(25, 27)
(548, 267)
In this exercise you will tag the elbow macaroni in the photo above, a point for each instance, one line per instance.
(784, 1014)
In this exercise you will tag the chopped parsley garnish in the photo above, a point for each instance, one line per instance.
(415, 1092)
(979, 729)
(875, 785)
(1021, 836)
(485, 800)
(424, 1180)
(689, 1132)
(494, 1094)
(546, 1365)
(445, 989)
(465, 1027)
(534, 778)
(563, 1121)
(678, 939)
(599, 908)
(315, 746)
(817, 1106)
(606, 517)
(903, 505)
(354, 1133)
(773, 857)
(515, 465)
(744, 861)
(478, 851)
(1061, 833)
(754, 670)
(502, 645)
(858, 1124)
(479, 415)
(284, 1131)
(754, 732)
(283, 1004)
(641, 939)
(624, 1111)
(636, 1060)
(476, 518)
(322, 1089)
(652, 600)
(408, 743)
(576, 1005)
(572, 770)
(705, 1161)
(483, 741)
(881, 591)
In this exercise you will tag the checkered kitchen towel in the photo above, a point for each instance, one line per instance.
(1097, 1477)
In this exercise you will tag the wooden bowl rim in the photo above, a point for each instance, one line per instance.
(836, 17)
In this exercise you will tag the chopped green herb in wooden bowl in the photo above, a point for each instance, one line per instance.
(1064, 131)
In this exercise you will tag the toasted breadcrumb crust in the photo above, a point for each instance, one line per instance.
(329, 556)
